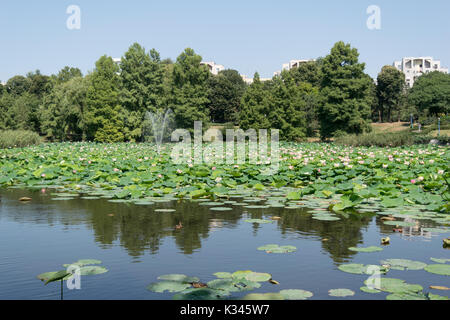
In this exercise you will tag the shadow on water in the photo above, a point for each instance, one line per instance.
(139, 229)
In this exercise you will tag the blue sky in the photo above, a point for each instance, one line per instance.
(245, 35)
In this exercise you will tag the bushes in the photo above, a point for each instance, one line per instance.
(393, 139)
(18, 138)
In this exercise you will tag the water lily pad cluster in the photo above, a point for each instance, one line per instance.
(226, 284)
(408, 180)
(86, 267)
(275, 248)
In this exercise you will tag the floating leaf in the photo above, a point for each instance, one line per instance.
(179, 278)
(167, 285)
(440, 260)
(263, 296)
(341, 292)
(401, 264)
(296, 294)
(368, 249)
(92, 270)
(258, 277)
(442, 269)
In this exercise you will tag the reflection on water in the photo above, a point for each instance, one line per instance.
(139, 229)
(209, 241)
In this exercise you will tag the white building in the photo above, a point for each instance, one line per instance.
(213, 67)
(414, 67)
(292, 64)
(249, 81)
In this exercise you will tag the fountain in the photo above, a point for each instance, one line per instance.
(155, 125)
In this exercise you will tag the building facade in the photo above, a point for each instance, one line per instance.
(213, 67)
(414, 67)
(291, 65)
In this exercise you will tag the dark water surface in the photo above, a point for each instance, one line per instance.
(137, 245)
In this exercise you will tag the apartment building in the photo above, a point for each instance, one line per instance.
(291, 65)
(213, 67)
(414, 67)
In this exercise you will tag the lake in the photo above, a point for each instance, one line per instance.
(137, 245)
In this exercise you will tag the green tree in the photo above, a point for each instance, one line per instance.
(18, 85)
(255, 106)
(62, 110)
(225, 93)
(142, 79)
(431, 93)
(68, 73)
(390, 88)
(102, 120)
(310, 72)
(346, 93)
(39, 84)
(189, 90)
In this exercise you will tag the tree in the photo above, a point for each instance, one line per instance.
(62, 110)
(310, 72)
(225, 93)
(390, 88)
(255, 106)
(345, 90)
(287, 109)
(142, 86)
(39, 84)
(189, 90)
(18, 85)
(67, 73)
(431, 93)
(102, 120)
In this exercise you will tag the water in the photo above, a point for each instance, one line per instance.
(137, 245)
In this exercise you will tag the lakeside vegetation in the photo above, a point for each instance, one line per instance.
(327, 98)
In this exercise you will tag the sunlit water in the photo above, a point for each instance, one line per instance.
(137, 245)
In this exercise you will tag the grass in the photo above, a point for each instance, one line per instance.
(390, 127)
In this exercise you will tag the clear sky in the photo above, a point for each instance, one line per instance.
(246, 35)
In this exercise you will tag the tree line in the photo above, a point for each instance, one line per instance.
(330, 96)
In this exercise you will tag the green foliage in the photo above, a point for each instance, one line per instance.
(346, 93)
(391, 139)
(61, 113)
(189, 90)
(103, 116)
(225, 93)
(18, 138)
(281, 104)
(142, 87)
(431, 93)
(66, 74)
(390, 88)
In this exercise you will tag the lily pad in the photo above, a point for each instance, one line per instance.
(296, 294)
(264, 296)
(274, 248)
(220, 209)
(167, 285)
(341, 292)
(442, 269)
(401, 264)
(92, 270)
(179, 278)
(367, 249)
(440, 260)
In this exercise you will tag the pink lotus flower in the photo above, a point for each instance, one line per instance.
(43, 175)
(413, 181)
(116, 170)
